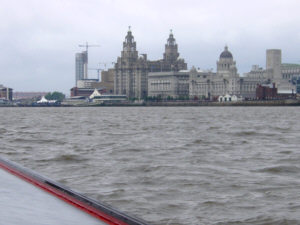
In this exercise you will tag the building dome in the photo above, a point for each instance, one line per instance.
(226, 53)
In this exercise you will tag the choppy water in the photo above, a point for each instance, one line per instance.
(177, 165)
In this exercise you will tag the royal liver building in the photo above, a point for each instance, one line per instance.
(131, 71)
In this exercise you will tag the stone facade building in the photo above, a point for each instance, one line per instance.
(171, 60)
(173, 84)
(284, 75)
(225, 81)
(131, 71)
(207, 84)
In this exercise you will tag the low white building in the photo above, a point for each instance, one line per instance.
(229, 98)
(44, 101)
(102, 98)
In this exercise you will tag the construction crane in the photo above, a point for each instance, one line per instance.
(87, 46)
(99, 69)
(104, 64)
(86, 64)
(98, 72)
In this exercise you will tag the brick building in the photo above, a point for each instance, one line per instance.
(266, 91)
(85, 92)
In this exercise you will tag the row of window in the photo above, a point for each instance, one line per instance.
(163, 86)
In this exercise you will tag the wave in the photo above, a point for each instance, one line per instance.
(261, 220)
(280, 169)
(3, 130)
(64, 158)
(37, 141)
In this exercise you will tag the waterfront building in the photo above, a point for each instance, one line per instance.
(273, 63)
(173, 84)
(291, 76)
(284, 75)
(84, 92)
(28, 95)
(290, 71)
(170, 60)
(228, 98)
(86, 83)
(203, 84)
(132, 72)
(107, 81)
(298, 85)
(85, 86)
(97, 97)
(110, 99)
(274, 67)
(225, 81)
(6, 93)
(266, 91)
(137, 77)
(81, 61)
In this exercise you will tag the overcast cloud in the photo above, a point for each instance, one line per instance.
(40, 38)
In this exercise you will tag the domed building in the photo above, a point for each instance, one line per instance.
(226, 65)
(226, 81)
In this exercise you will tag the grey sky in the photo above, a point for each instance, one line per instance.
(39, 38)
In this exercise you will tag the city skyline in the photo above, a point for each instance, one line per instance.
(40, 39)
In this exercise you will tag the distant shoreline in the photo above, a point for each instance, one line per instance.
(285, 102)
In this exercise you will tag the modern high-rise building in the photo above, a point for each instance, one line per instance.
(81, 61)
(6, 93)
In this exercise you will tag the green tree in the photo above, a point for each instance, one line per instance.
(169, 98)
(55, 96)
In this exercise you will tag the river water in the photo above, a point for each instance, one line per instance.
(167, 165)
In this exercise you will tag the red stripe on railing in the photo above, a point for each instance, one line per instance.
(65, 197)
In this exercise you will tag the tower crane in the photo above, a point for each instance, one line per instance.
(87, 46)
(98, 72)
(99, 69)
